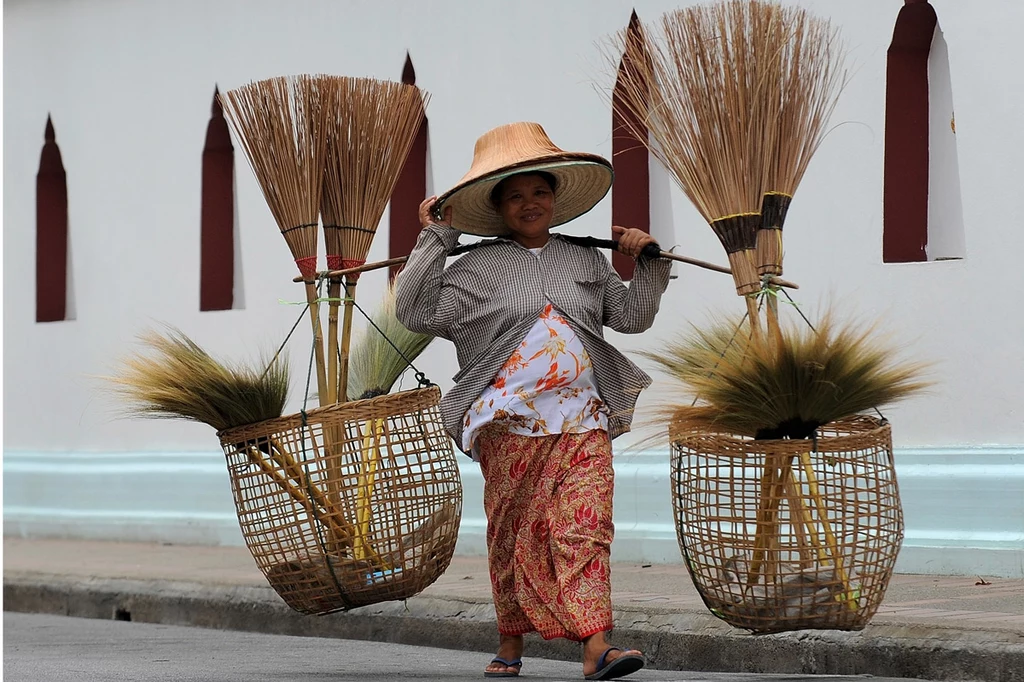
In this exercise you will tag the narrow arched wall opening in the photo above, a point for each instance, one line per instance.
(923, 210)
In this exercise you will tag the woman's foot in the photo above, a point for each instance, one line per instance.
(599, 656)
(510, 653)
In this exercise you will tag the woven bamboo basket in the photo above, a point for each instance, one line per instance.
(350, 504)
(789, 534)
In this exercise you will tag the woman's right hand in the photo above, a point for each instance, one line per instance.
(427, 214)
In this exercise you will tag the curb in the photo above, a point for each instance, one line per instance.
(670, 640)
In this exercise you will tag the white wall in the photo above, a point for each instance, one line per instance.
(129, 85)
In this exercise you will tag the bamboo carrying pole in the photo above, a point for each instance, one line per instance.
(604, 243)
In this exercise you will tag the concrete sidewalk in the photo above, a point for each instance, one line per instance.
(931, 627)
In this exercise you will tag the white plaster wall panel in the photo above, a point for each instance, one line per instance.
(129, 87)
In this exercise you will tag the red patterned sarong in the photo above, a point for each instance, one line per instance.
(548, 501)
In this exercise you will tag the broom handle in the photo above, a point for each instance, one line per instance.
(334, 293)
(318, 342)
(295, 471)
(798, 517)
(599, 243)
(755, 318)
(346, 339)
(761, 525)
(774, 330)
(766, 526)
(341, 534)
(367, 477)
(826, 527)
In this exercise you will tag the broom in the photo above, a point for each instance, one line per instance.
(802, 80)
(702, 82)
(802, 86)
(280, 124)
(371, 129)
(687, 100)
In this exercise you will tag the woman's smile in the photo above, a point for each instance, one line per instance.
(526, 203)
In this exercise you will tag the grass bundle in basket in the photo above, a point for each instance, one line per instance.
(787, 387)
(376, 364)
(180, 380)
(765, 390)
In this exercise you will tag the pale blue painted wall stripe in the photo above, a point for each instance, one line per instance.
(964, 507)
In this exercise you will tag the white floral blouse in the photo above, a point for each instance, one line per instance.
(545, 387)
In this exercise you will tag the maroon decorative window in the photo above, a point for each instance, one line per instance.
(923, 214)
(51, 232)
(217, 229)
(631, 205)
(410, 190)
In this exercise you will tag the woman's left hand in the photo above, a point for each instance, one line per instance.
(631, 240)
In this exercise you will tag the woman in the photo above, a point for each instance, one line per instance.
(540, 393)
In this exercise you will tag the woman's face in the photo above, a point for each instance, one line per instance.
(526, 203)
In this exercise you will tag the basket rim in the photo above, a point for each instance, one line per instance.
(416, 398)
(854, 426)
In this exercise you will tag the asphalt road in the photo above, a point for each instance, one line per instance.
(39, 648)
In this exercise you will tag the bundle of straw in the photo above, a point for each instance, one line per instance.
(370, 130)
(180, 380)
(383, 352)
(784, 390)
(281, 125)
(763, 391)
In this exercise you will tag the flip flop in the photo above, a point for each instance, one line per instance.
(621, 666)
(518, 663)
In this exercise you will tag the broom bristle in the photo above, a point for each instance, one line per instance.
(180, 380)
(683, 87)
(371, 129)
(374, 365)
(732, 99)
(687, 98)
(759, 389)
(280, 124)
(811, 74)
(804, 76)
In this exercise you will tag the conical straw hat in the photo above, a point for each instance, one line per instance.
(582, 179)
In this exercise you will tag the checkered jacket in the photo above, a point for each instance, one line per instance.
(487, 300)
